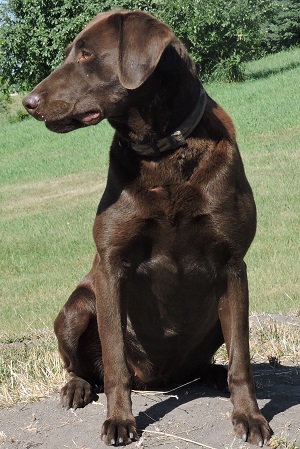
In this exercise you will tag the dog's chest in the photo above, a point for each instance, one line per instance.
(177, 205)
(165, 233)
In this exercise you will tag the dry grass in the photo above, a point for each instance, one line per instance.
(30, 368)
(278, 342)
(270, 341)
(282, 442)
(175, 438)
(2, 437)
(276, 442)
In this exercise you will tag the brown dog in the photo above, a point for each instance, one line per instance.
(168, 284)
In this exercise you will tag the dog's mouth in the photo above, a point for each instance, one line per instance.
(89, 118)
(77, 121)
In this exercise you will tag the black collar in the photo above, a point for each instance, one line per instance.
(176, 138)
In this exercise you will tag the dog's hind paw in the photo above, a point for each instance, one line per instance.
(77, 393)
(215, 376)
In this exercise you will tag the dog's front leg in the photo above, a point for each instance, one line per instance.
(249, 423)
(120, 426)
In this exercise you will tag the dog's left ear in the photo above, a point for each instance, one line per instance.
(141, 43)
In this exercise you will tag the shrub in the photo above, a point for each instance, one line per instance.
(18, 116)
(3, 102)
(231, 69)
(5, 98)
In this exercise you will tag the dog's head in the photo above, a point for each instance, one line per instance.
(117, 52)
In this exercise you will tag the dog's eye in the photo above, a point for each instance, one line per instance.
(85, 55)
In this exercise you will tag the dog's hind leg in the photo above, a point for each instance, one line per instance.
(79, 345)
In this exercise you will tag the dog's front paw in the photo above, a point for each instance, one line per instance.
(77, 393)
(251, 428)
(117, 432)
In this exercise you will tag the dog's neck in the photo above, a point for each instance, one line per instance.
(165, 109)
(177, 137)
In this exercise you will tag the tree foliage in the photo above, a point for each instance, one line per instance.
(220, 34)
(281, 25)
(33, 35)
(216, 31)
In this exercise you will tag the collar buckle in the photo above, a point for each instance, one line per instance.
(176, 139)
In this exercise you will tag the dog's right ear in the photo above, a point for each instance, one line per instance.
(142, 41)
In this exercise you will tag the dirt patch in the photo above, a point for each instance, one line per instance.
(189, 417)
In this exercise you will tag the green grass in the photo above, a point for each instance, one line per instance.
(50, 186)
(272, 64)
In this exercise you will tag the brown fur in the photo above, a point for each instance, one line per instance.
(168, 283)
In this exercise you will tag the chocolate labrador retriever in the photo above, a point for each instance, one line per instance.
(168, 284)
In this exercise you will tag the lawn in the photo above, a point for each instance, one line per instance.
(50, 186)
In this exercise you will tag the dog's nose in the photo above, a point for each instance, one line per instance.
(31, 102)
